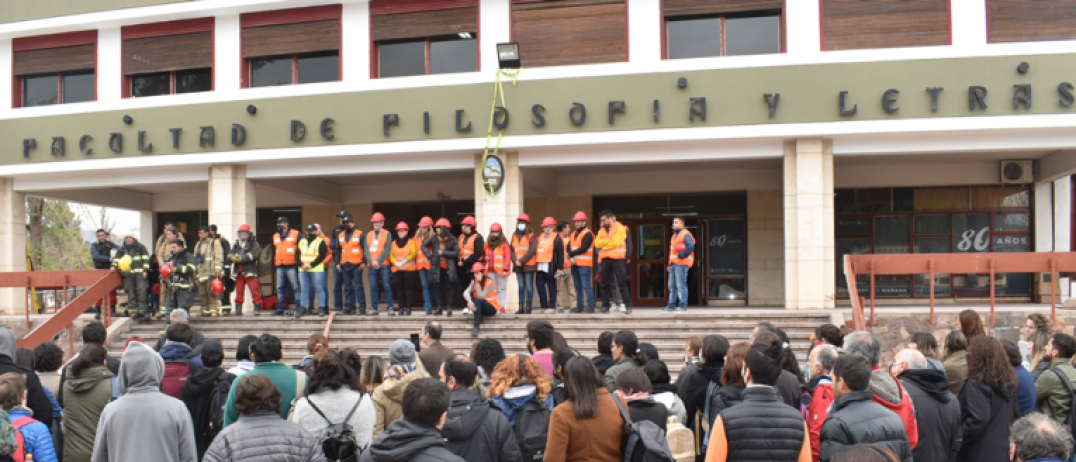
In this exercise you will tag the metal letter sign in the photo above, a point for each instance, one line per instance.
(493, 172)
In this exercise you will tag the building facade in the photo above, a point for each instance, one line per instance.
(787, 132)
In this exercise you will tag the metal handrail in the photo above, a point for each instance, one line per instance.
(100, 282)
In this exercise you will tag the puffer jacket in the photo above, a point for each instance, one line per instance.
(450, 254)
(672, 402)
(986, 413)
(37, 438)
(87, 396)
(477, 432)
(937, 413)
(856, 419)
(723, 398)
(613, 372)
(515, 399)
(263, 436)
(388, 395)
(404, 441)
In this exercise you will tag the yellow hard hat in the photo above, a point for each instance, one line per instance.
(124, 263)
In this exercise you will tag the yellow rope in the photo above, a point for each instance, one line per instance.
(498, 93)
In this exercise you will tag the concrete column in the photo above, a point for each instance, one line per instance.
(355, 25)
(803, 28)
(502, 208)
(765, 254)
(644, 33)
(227, 55)
(109, 64)
(969, 24)
(810, 269)
(495, 18)
(1063, 214)
(145, 228)
(6, 55)
(232, 201)
(12, 243)
(1044, 216)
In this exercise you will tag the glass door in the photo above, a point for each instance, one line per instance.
(650, 240)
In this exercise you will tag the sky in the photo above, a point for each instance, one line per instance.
(89, 215)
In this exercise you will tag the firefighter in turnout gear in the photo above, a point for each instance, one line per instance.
(179, 284)
(244, 264)
(134, 280)
(228, 275)
(210, 258)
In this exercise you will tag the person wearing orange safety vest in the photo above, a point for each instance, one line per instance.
(613, 252)
(313, 253)
(334, 249)
(424, 232)
(681, 257)
(404, 259)
(472, 249)
(286, 242)
(550, 257)
(481, 296)
(442, 250)
(565, 287)
(350, 264)
(376, 248)
(581, 256)
(524, 263)
(499, 262)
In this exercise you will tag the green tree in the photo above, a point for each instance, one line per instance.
(59, 244)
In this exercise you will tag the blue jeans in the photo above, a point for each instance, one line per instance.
(584, 288)
(526, 283)
(427, 303)
(286, 275)
(338, 289)
(677, 286)
(353, 289)
(385, 274)
(313, 282)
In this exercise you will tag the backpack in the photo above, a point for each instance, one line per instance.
(338, 440)
(532, 429)
(805, 401)
(645, 442)
(702, 421)
(176, 371)
(218, 397)
(1069, 423)
(681, 441)
(20, 443)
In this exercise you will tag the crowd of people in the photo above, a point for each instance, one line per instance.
(977, 399)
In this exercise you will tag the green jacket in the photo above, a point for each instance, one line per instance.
(85, 397)
(1053, 398)
(614, 371)
(282, 376)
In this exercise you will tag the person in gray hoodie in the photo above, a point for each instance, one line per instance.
(144, 423)
(417, 436)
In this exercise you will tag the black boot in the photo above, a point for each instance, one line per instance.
(448, 312)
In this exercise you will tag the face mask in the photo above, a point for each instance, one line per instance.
(521, 228)
(311, 236)
(280, 229)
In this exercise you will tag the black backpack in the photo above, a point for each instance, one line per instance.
(338, 440)
(218, 397)
(532, 429)
(645, 441)
(1070, 422)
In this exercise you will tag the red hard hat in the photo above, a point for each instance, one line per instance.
(403, 226)
(469, 221)
(166, 271)
(244, 228)
(425, 221)
(478, 267)
(216, 288)
(524, 217)
(679, 247)
(377, 217)
(495, 227)
(579, 216)
(549, 221)
(443, 222)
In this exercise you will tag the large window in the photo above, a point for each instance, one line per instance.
(421, 38)
(287, 47)
(168, 58)
(55, 69)
(291, 69)
(704, 28)
(440, 55)
(165, 83)
(59, 88)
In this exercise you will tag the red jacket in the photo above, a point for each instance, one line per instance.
(818, 412)
(903, 409)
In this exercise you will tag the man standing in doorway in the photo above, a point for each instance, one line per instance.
(681, 257)
(286, 241)
(210, 257)
(565, 287)
(134, 282)
(244, 260)
(581, 255)
(350, 267)
(613, 251)
(472, 250)
(335, 250)
(226, 274)
(524, 263)
(101, 252)
(376, 249)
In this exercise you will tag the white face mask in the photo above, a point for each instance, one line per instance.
(521, 228)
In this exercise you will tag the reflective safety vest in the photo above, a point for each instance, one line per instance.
(585, 258)
(350, 249)
(467, 246)
(421, 263)
(376, 247)
(678, 239)
(286, 248)
(308, 252)
(498, 260)
(566, 242)
(545, 247)
(404, 255)
(621, 251)
(522, 246)
(492, 297)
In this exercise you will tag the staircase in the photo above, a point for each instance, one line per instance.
(372, 335)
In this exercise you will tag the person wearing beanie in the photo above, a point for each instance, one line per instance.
(403, 369)
(198, 392)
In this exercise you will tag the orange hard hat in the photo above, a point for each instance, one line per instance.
(443, 222)
(377, 217)
(166, 271)
(244, 228)
(579, 216)
(549, 221)
(679, 247)
(216, 288)
(495, 227)
(425, 221)
(469, 220)
(524, 217)
(403, 226)
(478, 267)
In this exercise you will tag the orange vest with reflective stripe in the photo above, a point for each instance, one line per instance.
(585, 258)
(467, 246)
(619, 253)
(499, 260)
(328, 249)
(421, 263)
(382, 242)
(492, 297)
(350, 250)
(286, 248)
(567, 243)
(679, 238)
(404, 255)
(545, 247)
(522, 246)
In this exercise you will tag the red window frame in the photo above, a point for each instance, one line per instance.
(289, 16)
(41, 42)
(161, 29)
(780, 19)
(412, 6)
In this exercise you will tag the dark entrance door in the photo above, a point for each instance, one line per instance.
(648, 279)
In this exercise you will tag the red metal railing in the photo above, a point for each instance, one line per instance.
(958, 263)
(100, 283)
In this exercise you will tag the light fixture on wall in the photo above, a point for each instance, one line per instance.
(465, 35)
(508, 55)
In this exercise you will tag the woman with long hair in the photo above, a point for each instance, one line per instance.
(971, 325)
(588, 426)
(925, 343)
(517, 380)
(372, 374)
(314, 344)
(404, 258)
(956, 360)
(335, 396)
(87, 390)
(712, 357)
(1037, 348)
(626, 352)
(422, 234)
(1037, 322)
(988, 404)
(442, 250)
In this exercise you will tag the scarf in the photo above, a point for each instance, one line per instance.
(399, 371)
(401, 242)
(634, 396)
(495, 243)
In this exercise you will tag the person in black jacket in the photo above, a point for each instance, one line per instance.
(442, 250)
(472, 250)
(855, 418)
(633, 386)
(134, 281)
(474, 429)
(937, 411)
(101, 253)
(197, 393)
(712, 355)
(179, 287)
(988, 404)
(417, 436)
(729, 392)
(36, 399)
(605, 359)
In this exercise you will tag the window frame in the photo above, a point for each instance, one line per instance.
(294, 69)
(375, 69)
(782, 30)
(171, 83)
(42, 42)
(181, 27)
(410, 6)
(331, 12)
